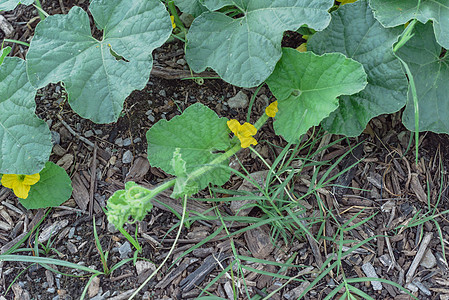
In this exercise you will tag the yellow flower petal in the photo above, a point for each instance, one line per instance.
(343, 2)
(272, 109)
(247, 130)
(247, 141)
(21, 190)
(31, 179)
(173, 24)
(8, 180)
(234, 126)
(302, 47)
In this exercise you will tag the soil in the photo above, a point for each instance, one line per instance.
(386, 189)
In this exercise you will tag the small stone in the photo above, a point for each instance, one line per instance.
(127, 157)
(137, 140)
(369, 271)
(98, 131)
(428, 261)
(71, 232)
(149, 112)
(238, 101)
(163, 93)
(125, 250)
(55, 138)
(181, 62)
(72, 248)
(151, 118)
(113, 160)
(51, 290)
(89, 133)
(119, 142)
(143, 265)
(94, 287)
(126, 142)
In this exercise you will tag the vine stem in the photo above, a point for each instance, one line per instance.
(184, 208)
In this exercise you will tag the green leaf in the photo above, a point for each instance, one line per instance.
(98, 82)
(25, 139)
(183, 185)
(307, 86)
(4, 52)
(11, 4)
(193, 7)
(431, 75)
(244, 51)
(199, 133)
(397, 12)
(53, 188)
(217, 4)
(354, 32)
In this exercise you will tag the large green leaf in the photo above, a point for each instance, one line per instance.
(199, 134)
(53, 188)
(244, 51)
(307, 86)
(11, 4)
(24, 138)
(397, 12)
(431, 75)
(96, 78)
(193, 7)
(354, 32)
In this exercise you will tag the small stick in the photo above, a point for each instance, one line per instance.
(418, 257)
(93, 172)
(89, 143)
(62, 7)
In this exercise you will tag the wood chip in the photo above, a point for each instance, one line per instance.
(417, 188)
(259, 241)
(52, 230)
(419, 255)
(80, 192)
(139, 169)
(236, 205)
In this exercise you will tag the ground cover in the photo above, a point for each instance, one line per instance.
(317, 218)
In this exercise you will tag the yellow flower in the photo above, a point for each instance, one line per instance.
(20, 184)
(173, 24)
(272, 109)
(243, 132)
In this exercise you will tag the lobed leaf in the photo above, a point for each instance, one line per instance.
(24, 138)
(244, 51)
(99, 75)
(397, 12)
(431, 76)
(307, 86)
(199, 134)
(53, 188)
(354, 32)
